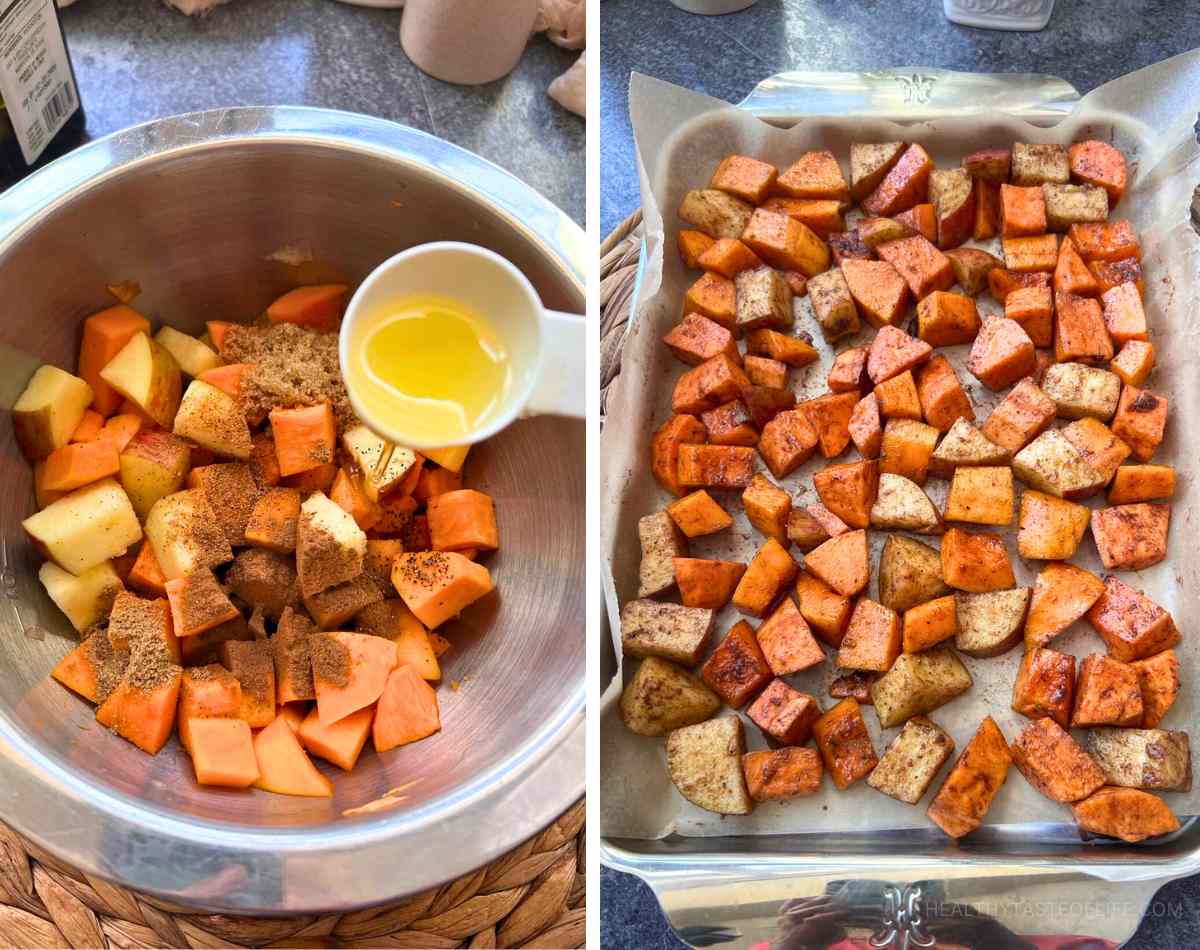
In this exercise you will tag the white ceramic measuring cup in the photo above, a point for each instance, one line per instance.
(547, 349)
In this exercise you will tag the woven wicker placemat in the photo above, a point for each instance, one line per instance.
(618, 272)
(534, 896)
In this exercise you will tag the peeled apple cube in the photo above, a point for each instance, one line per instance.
(47, 412)
(85, 599)
(88, 527)
(214, 420)
(192, 356)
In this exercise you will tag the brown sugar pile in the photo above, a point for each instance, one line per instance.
(293, 366)
(330, 660)
(202, 599)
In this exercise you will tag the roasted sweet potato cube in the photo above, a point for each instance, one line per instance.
(744, 177)
(691, 245)
(849, 371)
(1158, 681)
(841, 735)
(795, 351)
(697, 515)
(1125, 813)
(848, 490)
(814, 175)
(911, 762)
(778, 774)
(725, 467)
(923, 267)
(855, 684)
(705, 583)
(1131, 537)
(1054, 764)
(1071, 274)
(1035, 164)
(1097, 445)
(990, 164)
(764, 403)
(1033, 309)
(833, 306)
(1001, 354)
(1131, 625)
(906, 184)
(771, 570)
(785, 714)
(787, 641)
(1050, 528)
(971, 268)
(842, 563)
(730, 424)
(1027, 254)
(866, 427)
(785, 243)
(897, 397)
(965, 797)
(763, 300)
(767, 506)
(664, 449)
(947, 319)
(712, 296)
(763, 371)
(872, 639)
(1133, 483)
(715, 213)
(715, 381)
(922, 218)
(822, 216)
(696, 339)
(869, 163)
(976, 562)
(729, 257)
(1110, 274)
(1140, 421)
(1045, 685)
(737, 670)
(928, 624)
(981, 495)
(788, 441)
(1062, 594)
(830, 418)
(1110, 241)
(892, 352)
(805, 530)
(826, 611)
(952, 194)
(1022, 211)
(1107, 693)
(830, 523)
(942, 398)
(1134, 363)
(1002, 282)
(1124, 315)
(849, 246)
(1068, 205)
(907, 449)
(1098, 163)
(1024, 413)
(878, 289)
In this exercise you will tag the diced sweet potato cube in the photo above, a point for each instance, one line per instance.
(987, 210)
(1129, 814)
(842, 563)
(892, 352)
(830, 523)
(1050, 528)
(1131, 537)
(1026, 254)
(906, 184)
(829, 417)
(1033, 309)
(744, 177)
(942, 397)
(1133, 483)
(1001, 354)
(1020, 417)
(1071, 274)
(767, 506)
(833, 306)
(1106, 694)
(664, 449)
(981, 495)
(697, 515)
(778, 774)
(1022, 211)
(897, 397)
(715, 213)
(696, 339)
(705, 583)
(1130, 623)
(763, 403)
(771, 570)
(814, 175)
(730, 424)
(1002, 282)
(1061, 595)
(805, 530)
(729, 257)
(928, 624)
(1134, 363)
(848, 490)
(1124, 315)
(1140, 421)
(713, 382)
(737, 670)
(1110, 241)
(1045, 685)
(849, 371)
(923, 267)
(872, 639)
(1158, 681)
(866, 427)
(841, 735)
(787, 642)
(1098, 163)
(907, 449)
(823, 216)
(947, 319)
(855, 685)
(923, 218)
(975, 562)
(1097, 445)
(869, 163)
(825, 610)
(965, 797)
(792, 350)
(691, 245)
(762, 371)
(879, 290)
(762, 300)
(1054, 764)
(1110, 274)
(785, 243)
(952, 194)
(848, 246)
(990, 164)
(787, 442)
(724, 467)
(712, 296)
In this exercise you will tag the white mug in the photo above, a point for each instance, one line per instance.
(546, 349)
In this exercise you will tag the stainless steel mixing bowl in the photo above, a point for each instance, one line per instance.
(215, 213)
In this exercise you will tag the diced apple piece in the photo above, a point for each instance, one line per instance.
(49, 409)
(85, 599)
(186, 534)
(153, 465)
(192, 356)
(213, 420)
(330, 546)
(88, 527)
(148, 376)
(392, 476)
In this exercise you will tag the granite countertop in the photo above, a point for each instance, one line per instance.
(137, 60)
(1086, 43)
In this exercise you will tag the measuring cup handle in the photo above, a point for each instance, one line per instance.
(562, 388)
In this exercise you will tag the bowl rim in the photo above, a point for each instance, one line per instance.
(345, 863)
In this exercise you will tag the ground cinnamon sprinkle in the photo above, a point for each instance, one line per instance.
(232, 492)
(109, 664)
(141, 624)
(292, 651)
(330, 660)
(202, 599)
